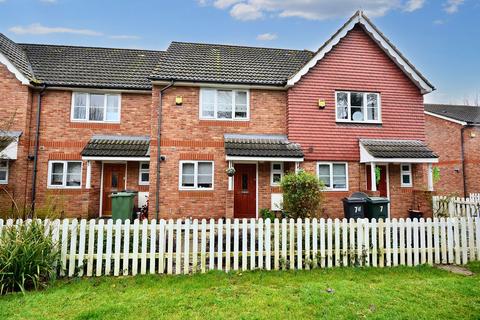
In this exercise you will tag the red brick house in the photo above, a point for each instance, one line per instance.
(353, 106)
(453, 132)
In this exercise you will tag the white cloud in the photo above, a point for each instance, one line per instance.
(246, 11)
(451, 6)
(267, 36)
(124, 37)
(38, 29)
(49, 1)
(413, 5)
(310, 9)
(439, 22)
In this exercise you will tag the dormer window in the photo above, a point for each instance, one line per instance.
(357, 107)
(95, 107)
(220, 104)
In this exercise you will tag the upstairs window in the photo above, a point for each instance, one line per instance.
(65, 174)
(3, 171)
(219, 104)
(94, 107)
(196, 175)
(357, 107)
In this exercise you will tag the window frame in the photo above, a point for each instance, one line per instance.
(64, 174)
(273, 171)
(195, 175)
(6, 169)
(349, 111)
(403, 173)
(215, 104)
(87, 111)
(140, 171)
(330, 164)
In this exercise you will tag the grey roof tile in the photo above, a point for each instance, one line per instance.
(468, 114)
(16, 55)
(117, 146)
(271, 146)
(231, 64)
(92, 67)
(389, 149)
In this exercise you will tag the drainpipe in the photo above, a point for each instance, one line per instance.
(159, 156)
(35, 154)
(464, 175)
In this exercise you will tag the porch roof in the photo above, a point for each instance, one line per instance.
(379, 150)
(117, 146)
(9, 144)
(261, 146)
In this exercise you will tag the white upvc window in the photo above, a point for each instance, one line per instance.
(144, 173)
(3, 171)
(406, 175)
(276, 173)
(224, 104)
(334, 175)
(65, 174)
(357, 107)
(95, 107)
(196, 175)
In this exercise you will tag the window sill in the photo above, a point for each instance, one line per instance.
(195, 190)
(94, 125)
(359, 122)
(224, 123)
(335, 190)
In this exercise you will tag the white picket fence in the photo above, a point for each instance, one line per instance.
(456, 207)
(474, 197)
(184, 246)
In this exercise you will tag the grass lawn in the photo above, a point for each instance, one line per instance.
(390, 293)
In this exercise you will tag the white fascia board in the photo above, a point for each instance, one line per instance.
(236, 158)
(380, 40)
(116, 158)
(14, 70)
(366, 157)
(445, 118)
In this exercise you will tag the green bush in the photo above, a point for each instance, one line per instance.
(27, 257)
(302, 195)
(267, 214)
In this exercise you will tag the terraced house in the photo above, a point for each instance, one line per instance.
(168, 124)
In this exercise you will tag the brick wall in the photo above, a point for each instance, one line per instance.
(186, 137)
(357, 63)
(61, 139)
(15, 100)
(444, 137)
(401, 199)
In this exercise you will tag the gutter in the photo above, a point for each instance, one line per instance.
(35, 154)
(159, 156)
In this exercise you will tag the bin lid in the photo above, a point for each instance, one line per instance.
(378, 200)
(354, 200)
(122, 194)
(360, 195)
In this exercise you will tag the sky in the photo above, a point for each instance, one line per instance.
(440, 37)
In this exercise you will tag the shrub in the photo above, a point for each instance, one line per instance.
(27, 257)
(267, 214)
(302, 195)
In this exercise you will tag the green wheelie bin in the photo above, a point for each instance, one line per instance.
(377, 207)
(122, 205)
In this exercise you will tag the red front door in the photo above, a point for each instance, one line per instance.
(245, 191)
(113, 180)
(382, 184)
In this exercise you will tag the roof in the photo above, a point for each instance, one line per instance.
(397, 149)
(468, 114)
(270, 146)
(198, 62)
(383, 42)
(117, 146)
(16, 55)
(91, 67)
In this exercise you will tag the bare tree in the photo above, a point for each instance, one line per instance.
(475, 101)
